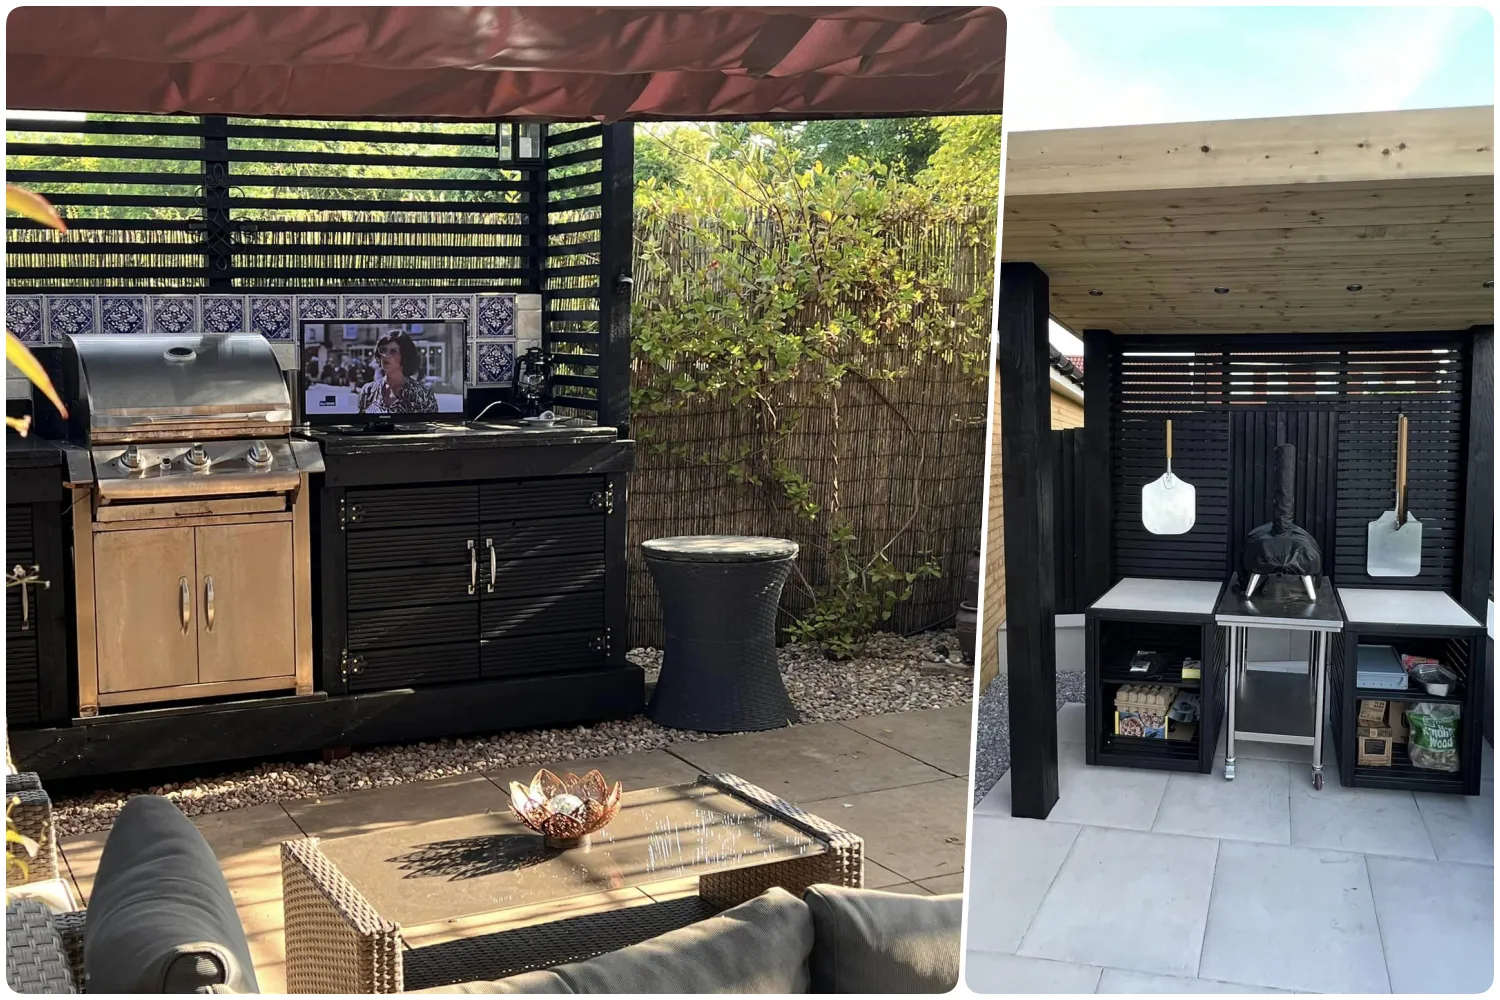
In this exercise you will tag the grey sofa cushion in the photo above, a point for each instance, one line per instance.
(756, 947)
(160, 918)
(883, 942)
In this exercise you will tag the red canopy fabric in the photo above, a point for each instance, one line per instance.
(526, 63)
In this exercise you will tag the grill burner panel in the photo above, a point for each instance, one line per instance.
(165, 469)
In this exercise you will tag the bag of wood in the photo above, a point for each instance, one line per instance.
(1433, 741)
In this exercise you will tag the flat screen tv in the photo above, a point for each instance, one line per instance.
(383, 371)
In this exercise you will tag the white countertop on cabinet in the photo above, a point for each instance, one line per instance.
(1178, 597)
(1429, 608)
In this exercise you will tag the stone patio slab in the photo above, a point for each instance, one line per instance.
(809, 763)
(916, 831)
(1254, 806)
(366, 810)
(1293, 918)
(1119, 981)
(1437, 924)
(1462, 827)
(944, 885)
(1365, 820)
(1127, 900)
(1126, 798)
(937, 736)
(992, 972)
(877, 877)
(648, 769)
(1014, 863)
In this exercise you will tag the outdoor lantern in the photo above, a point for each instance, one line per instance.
(518, 144)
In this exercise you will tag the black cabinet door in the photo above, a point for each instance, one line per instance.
(22, 688)
(412, 582)
(543, 600)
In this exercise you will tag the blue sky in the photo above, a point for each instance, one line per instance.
(1071, 67)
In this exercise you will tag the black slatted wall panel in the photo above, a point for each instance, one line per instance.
(572, 262)
(1337, 398)
(1254, 435)
(173, 202)
(1067, 499)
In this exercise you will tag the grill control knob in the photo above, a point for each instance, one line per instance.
(131, 460)
(259, 454)
(196, 458)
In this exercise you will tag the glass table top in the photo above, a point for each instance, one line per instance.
(490, 861)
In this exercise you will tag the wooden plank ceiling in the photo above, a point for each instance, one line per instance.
(1336, 223)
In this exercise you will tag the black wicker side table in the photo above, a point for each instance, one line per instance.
(719, 595)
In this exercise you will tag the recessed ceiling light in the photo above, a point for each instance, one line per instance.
(1096, 292)
(1221, 290)
(1354, 288)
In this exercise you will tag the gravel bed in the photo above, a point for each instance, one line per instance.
(992, 755)
(895, 674)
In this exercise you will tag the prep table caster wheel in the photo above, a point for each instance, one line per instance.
(1229, 770)
(1318, 781)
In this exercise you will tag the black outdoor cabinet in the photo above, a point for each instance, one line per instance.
(1421, 623)
(483, 566)
(1175, 619)
(37, 665)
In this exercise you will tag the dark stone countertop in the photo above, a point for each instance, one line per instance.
(458, 437)
(31, 452)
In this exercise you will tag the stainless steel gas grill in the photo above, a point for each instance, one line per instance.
(190, 520)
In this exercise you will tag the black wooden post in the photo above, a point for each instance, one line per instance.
(1476, 568)
(1027, 462)
(616, 260)
(1097, 543)
(218, 232)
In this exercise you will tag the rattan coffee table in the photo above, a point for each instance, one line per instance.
(348, 899)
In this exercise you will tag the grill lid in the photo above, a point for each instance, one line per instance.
(198, 386)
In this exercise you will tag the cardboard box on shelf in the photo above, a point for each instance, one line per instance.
(1395, 716)
(1374, 744)
(1372, 713)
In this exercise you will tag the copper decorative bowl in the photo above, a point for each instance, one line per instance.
(565, 810)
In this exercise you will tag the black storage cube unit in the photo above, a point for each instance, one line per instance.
(1464, 650)
(1112, 640)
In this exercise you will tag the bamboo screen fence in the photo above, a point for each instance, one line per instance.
(902, 462)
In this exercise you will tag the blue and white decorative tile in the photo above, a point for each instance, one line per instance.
(223, 313)
(497, 315)
(173, 313)
(122, 314)
(364, 307)
(454, 307)
(23, 317)
(409, 307)
(317, 306)
(496, 364)
(271, 316)
(71, 314)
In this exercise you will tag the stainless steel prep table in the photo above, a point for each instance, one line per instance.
(1271, 700)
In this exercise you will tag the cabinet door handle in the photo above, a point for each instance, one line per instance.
(489, 543)
(208, 602)
(473, 567)
(185, 602)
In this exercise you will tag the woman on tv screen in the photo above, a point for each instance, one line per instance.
(398, 385)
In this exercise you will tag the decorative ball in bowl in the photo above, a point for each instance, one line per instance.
(565, 810)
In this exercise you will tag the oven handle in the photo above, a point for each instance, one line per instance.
(208, 602)
(473, 567)
(489, 543)
(185, 599)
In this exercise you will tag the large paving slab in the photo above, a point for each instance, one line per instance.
(1366, 820)
(1127, 900)
(1462, 827)
(1254, 806)
(993, 972)
(916, 831)
(648, 769)
(1437, 923)
(367, 810)
(1013, 865)
(941, 737)
(1293, 918)
(809, 763)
